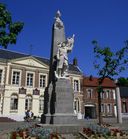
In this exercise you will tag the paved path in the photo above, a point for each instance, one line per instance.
(6, 127)
(10, 126)
(112, 121)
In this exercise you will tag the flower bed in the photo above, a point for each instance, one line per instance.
(34, 133)
(100, 132)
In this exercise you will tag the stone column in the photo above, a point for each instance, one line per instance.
(36, 79)
(118, 105)
(23, 77)
(58, 36)
(21, 105)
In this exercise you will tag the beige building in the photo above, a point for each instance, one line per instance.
(23, 79)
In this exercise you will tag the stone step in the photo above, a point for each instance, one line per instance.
(6, 119)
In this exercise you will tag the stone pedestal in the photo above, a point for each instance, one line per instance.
(64, 96)
(61, 104)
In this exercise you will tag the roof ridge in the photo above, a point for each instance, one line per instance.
(23, 53)
(13, 51)
(33, 56)
(40, 57)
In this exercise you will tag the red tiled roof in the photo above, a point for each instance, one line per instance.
(93, 81)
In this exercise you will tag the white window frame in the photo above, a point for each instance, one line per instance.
(76, 105)
(113, 94)
(41, 103)
(103, 108)
(102, 94)
(12, 102)
(1, 79)
(3, 75)
(91, 93)
(109, 108)
(124, 107)
(33, 84)
(108, 93)
(29, 103)
(16, 70)
(41, 74)
(74, 85)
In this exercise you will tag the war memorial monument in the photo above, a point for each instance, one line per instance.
(58, 95)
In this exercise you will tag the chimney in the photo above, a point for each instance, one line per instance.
(91, 78)
(75, 63)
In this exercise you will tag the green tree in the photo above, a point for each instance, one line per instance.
(123, 81)
(8, 29)
(108, 64)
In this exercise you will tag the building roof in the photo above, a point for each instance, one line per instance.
(74, 69)
(5, 54)
(123, 91)
(9, 55)
(93, 82)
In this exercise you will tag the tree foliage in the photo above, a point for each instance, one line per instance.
(110, 63)
(8, 29)
(123, 81)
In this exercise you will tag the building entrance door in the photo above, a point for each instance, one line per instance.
(90, 111)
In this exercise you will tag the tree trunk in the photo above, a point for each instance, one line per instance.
(100, 90)
(99, 108)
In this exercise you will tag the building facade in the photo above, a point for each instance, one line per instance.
(90, 99)
(23, 79)
(124, 100)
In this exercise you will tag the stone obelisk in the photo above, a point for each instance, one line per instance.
(58, 95)
(58, 36)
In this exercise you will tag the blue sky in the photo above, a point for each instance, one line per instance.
(103, 20)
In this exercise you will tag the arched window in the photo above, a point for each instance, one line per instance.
(41, 103)
(14, 102)
(28, 103)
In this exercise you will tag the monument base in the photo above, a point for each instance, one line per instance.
(60, 118)
(63, 128)
(61, 104)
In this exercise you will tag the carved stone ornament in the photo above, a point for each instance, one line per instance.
(22, 91)
(58, 22)
(36, 92)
